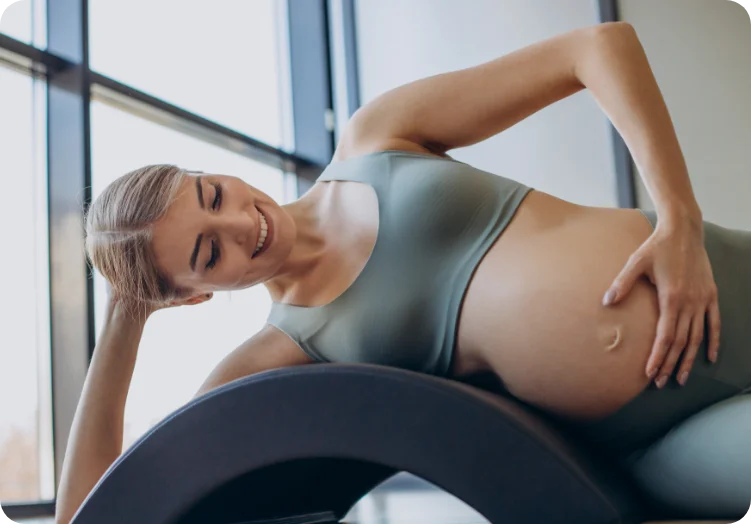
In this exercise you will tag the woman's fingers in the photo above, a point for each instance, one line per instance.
(694, 341)
(664, 339)
(676, 349)
(713, 315)
(624, 282)
(679, 345)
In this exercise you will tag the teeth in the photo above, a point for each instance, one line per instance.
(264, 233)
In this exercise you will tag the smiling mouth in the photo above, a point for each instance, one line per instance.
(263, 235)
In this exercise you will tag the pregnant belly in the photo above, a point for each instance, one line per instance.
(533, 312)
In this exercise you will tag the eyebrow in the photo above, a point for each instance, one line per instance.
(199, 191)
(194, 255)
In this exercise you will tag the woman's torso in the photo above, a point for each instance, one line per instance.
(532, 312)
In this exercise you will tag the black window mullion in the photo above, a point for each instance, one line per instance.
(69, 179)
(27, 59)
(148, 107)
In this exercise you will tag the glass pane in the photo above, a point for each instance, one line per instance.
(25, 383)
(180, 346)
(24, 21)
(216, 59)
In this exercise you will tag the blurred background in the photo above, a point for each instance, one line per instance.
(261, 89)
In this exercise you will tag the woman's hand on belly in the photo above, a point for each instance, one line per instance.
(675, 260)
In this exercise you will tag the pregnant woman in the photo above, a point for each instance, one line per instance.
(630, 327)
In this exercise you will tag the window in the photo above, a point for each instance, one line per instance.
(25, 385)
(24, 21)
(180, 346)
(218, 60)
(223, 75)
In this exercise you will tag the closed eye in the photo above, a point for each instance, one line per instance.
(218, 198)
(214, 255)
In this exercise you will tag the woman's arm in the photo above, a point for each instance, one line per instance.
(268, 349)
(620, 79)
(460, 108)
(96, 438)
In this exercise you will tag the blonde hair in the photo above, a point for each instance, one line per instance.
(119, 228)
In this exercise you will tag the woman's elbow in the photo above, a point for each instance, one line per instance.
(63, 518)
(615, 30)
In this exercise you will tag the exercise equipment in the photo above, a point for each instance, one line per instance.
(302, 445)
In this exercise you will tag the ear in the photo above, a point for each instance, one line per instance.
(199, 299)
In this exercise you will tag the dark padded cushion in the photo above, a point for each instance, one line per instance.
(312, 440)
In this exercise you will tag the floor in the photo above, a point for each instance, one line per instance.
(420, 519)
(406, 499)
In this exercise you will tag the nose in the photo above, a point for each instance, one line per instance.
(239, 227)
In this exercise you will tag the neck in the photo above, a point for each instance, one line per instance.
(308, 248)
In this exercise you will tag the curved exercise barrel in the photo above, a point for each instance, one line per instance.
(310, 441)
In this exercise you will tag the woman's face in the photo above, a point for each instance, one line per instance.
(206, 240)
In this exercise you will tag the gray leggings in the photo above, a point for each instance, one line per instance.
(689, 448)
(702, 467)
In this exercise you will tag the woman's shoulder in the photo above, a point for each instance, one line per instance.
(354, 149)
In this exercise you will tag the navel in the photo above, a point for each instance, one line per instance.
(615, 339)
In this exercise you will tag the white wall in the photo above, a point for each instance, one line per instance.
(563, 149)
(700, 52)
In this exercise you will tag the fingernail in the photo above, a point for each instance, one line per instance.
(609, 297)
(684, 378)
(661, 382)
(652, 373)
(713, 357)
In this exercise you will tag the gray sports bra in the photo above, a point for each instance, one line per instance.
(437, 218)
